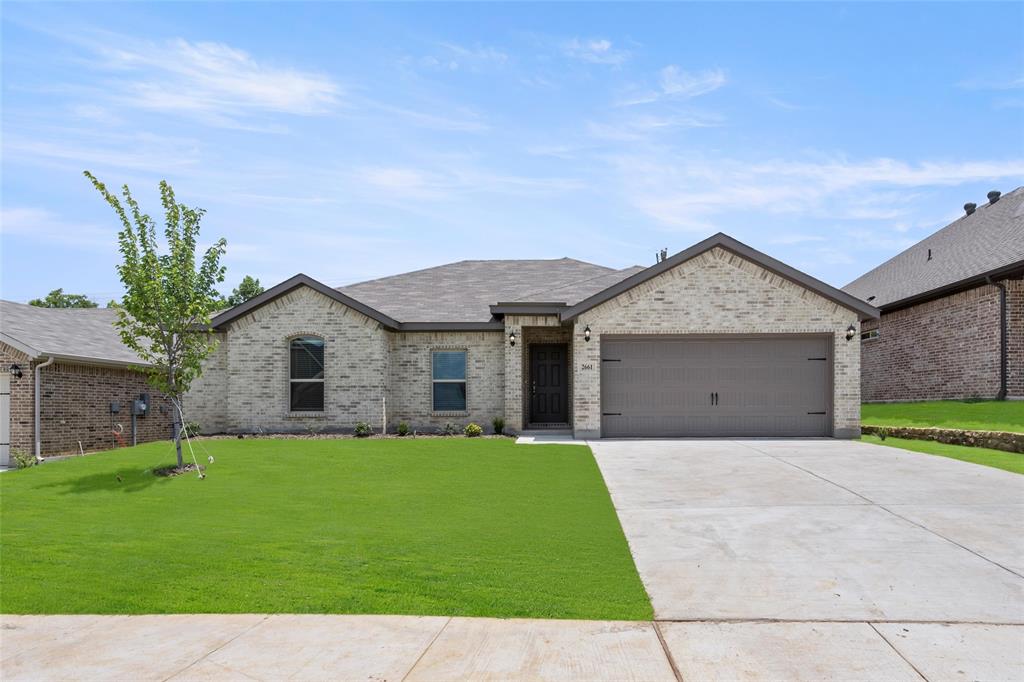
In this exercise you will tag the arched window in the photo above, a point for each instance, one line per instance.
(307, 374)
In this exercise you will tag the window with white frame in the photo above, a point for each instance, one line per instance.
(869, 335)
(306, 378)
(448, 375)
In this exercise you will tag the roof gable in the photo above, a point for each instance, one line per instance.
(726, 242)
(291, 284)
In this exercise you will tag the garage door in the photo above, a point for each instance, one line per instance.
(720, 386)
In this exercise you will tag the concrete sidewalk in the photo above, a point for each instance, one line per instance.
(260, 647)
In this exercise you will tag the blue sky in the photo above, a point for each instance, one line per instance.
(353, 141)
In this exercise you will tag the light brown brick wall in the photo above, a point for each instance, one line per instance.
(244, 387)
(947, 348)
(717, 293)
(411, 388)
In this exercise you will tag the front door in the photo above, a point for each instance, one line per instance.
(549, 388)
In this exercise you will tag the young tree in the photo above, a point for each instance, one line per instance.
(168, 296)
(249, 288)
(58, 299)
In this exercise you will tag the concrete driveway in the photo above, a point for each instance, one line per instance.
(818, 530)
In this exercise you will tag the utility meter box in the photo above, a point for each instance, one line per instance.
(140, 406)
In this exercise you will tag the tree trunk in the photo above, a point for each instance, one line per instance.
(177, 440)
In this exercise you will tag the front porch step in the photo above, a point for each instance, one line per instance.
(546, 432)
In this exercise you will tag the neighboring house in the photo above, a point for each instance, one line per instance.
(86, 385)
(717, 340)
(952, 323)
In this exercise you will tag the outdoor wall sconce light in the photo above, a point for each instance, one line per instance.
(586, 333)
(511, 338)
(850, 331)
(15, 371)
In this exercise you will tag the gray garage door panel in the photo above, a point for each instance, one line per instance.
(765, 386)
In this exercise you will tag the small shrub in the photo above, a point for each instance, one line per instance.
(499, 425)
(882, 433)
(192, 428)
(473, 430)
(448, 429)
(22, 459)
(362, 430)
(403, 429)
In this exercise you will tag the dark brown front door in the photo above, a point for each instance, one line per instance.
(549, 389)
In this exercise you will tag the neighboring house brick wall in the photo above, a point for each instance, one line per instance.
(22, 399)
(75, 406)
(257, 366)
(947, 348)
(1015, 338)
(410, 396)
(717, 292)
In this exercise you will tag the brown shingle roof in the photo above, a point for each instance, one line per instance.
(464, 291)
(990, 240)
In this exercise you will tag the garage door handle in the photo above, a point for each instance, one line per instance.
(816, 413)
(716, 397)
(611, 414)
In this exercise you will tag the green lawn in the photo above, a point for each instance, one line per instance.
(427, 526)
(1009, 461)
(984, 415)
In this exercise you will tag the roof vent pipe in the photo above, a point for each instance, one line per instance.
(970, 208)
(993, 196)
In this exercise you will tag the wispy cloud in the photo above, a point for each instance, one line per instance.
(452, 182)
(42, 226)
(676, 83)
(213, 79)
(989, 83)
(688, 195)
(595, 51)
(634, 128)
(210, 81)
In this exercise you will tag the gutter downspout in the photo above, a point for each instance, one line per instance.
(36, 406)
(1002, 337)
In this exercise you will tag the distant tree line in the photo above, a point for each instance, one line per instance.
(248, 288)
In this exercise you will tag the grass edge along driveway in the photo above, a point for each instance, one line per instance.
(427, 526)
(980, 415)
(1007, 461)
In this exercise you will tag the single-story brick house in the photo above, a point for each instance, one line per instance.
(952, 311)
(717, 340)
(72, 365)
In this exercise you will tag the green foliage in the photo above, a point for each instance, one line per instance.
(448, 429)
(467, 527)
(403, 428)
(498, 424)
(58, 299)
(168, 295)
(250, 287)
(473, 430)
(22, 459)
(362, 430)
(192, 428)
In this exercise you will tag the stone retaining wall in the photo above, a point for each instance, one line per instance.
(997, 440)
